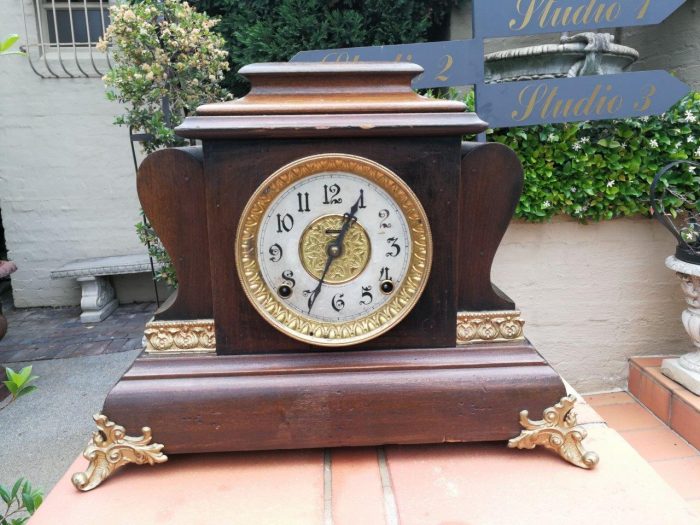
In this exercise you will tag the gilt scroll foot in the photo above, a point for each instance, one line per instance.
(557, 431)
(110, 449)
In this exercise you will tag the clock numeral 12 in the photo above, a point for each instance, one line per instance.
(330, 194)
(285, 223)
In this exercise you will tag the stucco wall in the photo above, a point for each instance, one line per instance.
(67, 185)
(594, 295)
(673, 45)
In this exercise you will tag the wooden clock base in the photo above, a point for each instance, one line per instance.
(333, 399)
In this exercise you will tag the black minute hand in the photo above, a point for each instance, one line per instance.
(334, 250)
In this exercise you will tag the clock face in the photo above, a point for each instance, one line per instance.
(333, 249)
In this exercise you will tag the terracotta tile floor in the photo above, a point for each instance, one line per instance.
(669, 454)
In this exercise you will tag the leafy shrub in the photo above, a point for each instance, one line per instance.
(600, 170)
(275, 30)
(167, 61)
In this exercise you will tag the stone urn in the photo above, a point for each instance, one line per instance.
(686, 369)
(578, 55)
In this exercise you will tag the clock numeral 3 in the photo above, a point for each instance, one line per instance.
(275, 252)
(395, 247)
(284, 223)
(337, 303)
(330, 194)
(366, 295)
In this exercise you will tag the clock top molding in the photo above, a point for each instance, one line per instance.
(304, 100)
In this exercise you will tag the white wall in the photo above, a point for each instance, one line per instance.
(67, 184)
(594, 295)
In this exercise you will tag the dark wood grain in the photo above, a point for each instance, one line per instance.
(490, 186)
(334, 398)
(170, 185)
(430, 166)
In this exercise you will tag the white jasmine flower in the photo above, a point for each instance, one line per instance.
(546, 204)
(690, 139)
(551, 138)
(679, 144)
(654, 143)
(610, 183)
(573, 189)
(576, 146)
(645, 118)
(692, 169)
(689, 117)
(585, 140)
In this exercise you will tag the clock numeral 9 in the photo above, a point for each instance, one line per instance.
(366, 295)
(383, 216)
(330, 194)
(337, 303)
(284, 223)
(397, 249)
(275, 252)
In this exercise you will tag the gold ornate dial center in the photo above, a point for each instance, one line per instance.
(316, 246)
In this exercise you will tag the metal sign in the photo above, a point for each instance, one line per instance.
(460, 63)
(498, 18)
(449, 63)
(511, 104)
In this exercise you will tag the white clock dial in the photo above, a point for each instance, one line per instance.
(301, 225)
(333, 249)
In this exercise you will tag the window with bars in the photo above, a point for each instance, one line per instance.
(62, 35)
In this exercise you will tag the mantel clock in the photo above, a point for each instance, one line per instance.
(333, 239)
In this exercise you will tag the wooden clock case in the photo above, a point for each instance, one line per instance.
(256, 388)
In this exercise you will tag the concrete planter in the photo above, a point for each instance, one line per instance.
(686, 369)
(579, 55)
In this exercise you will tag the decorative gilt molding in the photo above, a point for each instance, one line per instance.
(309, 329)
(557, 431)
(180, 336)
(110, 449)
(493, 327)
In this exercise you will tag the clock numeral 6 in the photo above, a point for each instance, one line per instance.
(337, 303)
(284, 223)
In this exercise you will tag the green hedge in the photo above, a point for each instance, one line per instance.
(603, 169)
(275, 30)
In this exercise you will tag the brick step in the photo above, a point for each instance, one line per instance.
(673, 404)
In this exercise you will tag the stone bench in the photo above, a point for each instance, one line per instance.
(98, 299)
